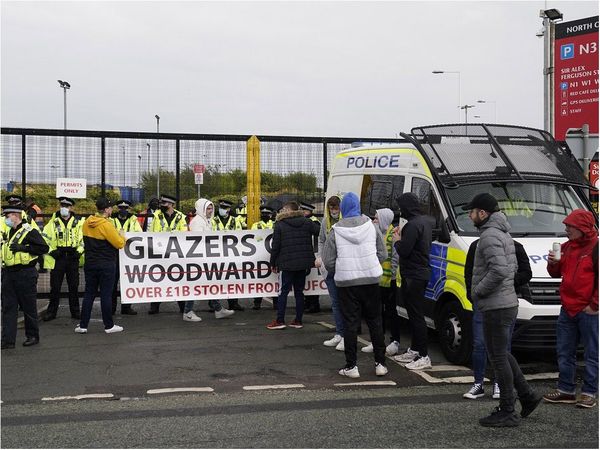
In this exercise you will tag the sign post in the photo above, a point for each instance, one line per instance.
(199, 176)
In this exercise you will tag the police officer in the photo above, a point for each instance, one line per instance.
(241, 212)
(17, 200)
(311, 301)
(124, 220)
(264, 223)
(145, 218)
(64, 236)
(20, 253)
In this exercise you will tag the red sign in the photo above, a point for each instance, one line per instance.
(198, 168)
(576, 76)
(594, 174)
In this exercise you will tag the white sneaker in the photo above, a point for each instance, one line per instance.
(222, 313)
(496, 393)
(340, 347)
(191, 317)
(114, 329)
(335, 340)
(392, 349)
(352, 372)
(409, 356)
(367, 349)
(80, 330)
(380, 370)
(419, 364)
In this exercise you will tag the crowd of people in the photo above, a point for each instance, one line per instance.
(368, 265)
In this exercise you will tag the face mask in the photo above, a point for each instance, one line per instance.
(122, 213)
(223, 212)
(64, 212)
(164, 209)
(8, 221)
(335, 215)
(265, 217)
(153, 206)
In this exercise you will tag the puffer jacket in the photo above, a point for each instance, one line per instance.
(495, 266)
(292, 244)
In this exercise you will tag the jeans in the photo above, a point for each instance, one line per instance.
(335, 304)
(189, 305)
(497, 325)
(569, 332)
(289, 278)
(215, 304)
(19, 288)
(413, 294)
(98, 277)
(357, 301)
(390, 318)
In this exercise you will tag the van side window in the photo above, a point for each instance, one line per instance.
(380, 191)
(429, 203)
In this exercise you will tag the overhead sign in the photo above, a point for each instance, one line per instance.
(199, 178)
(164, 267)
(575, 76)
(71, 187)
(199, 168)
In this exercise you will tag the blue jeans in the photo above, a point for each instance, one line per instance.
(189, 305)
(98, 278)
(335, 304)
(569, 332)
(289, 278)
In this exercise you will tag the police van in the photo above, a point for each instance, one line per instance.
(536, 182)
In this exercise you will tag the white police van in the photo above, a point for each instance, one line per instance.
(536, 182)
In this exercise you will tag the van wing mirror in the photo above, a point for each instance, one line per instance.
(441, 234)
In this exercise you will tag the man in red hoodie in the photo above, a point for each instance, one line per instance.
(578, 319)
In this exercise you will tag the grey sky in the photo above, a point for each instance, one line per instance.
(305, 68)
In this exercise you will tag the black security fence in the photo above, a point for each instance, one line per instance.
(137, 166)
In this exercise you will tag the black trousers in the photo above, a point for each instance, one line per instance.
(19, 288)
(116, 293)
(355, 300)
(413, 294)
(65, 265)
(391, 320)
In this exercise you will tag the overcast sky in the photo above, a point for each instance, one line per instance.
(278, 68)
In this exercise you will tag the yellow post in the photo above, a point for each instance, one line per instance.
(253, 180)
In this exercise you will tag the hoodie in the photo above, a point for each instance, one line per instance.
(200, 222)
(354, 248)
(101, 241)
(578, 265)
(326, 224)
(292, 243)
(415, 240)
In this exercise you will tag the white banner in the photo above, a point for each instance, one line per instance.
(164, 267)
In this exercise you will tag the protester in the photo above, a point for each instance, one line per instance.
(292, 254)
(147, 215)
(34, 212)
(311, 302)
(493, 291)
(102, 242)
(577, 323)
(20, 250)
(354, 251)
(479, 355)
(413, 247)
(201, 222)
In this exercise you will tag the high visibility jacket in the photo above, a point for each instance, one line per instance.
(5, 229)
(386, 278)
(59, 234)
(229, 224)
(160, 223)
(131, 223)
(10, 258)
(262, 225)
(243, 210)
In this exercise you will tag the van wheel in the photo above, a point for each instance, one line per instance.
(455, 333)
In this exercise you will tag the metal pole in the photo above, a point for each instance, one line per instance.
(157, 157)
(546, 22)
(148, 162)
(459, 99)
(65, 126)
(123, 168)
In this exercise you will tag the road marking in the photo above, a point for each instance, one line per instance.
(368, 383)
(184, 389)
(77, 397)
(542, 376)
(444, 368)
(327, 325)
(273, 386)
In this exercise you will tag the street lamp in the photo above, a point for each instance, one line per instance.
(494, 103)
(139, 168)
(466, 108)
(457, 72)
(65, 85)
(148, 165)
(549, 16)
(157, 156)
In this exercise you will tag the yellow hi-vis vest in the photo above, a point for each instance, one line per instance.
(58, 234)
(159, 223)
(131, 224)
(10, 258)
(386, 265)
(230, 224)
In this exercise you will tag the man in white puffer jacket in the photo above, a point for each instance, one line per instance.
(354, 250)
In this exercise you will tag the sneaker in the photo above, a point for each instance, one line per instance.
(222, 313)
(406, 357)
(529, 403)
(419, 364)
(350, 372)
(276, 325)
(191, 317)
(475, 392)
(340, 347)
(335, 340)
(586, 401)
(114, 329)
(500, 418)
(296, 324)
(367, 349)
(380, 369)
(392, 349)
(496, 392)
(80, 330)
(559, 397)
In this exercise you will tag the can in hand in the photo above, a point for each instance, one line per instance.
(556, 250)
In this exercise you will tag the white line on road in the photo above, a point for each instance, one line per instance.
(273, 386)
(77, 397)
(450, 368)
(542, 376)
(327, 325)
(184, 389)
(368, 383)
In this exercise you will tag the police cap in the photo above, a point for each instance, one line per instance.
(6, 209)
(13, 199)
(225, 203)
(307, 206)
(124, 203)
(167, 198)
(66, 201)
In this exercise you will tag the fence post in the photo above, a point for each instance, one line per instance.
(253, 180)
(324, 170)
(177, 189)
(23, 166)
(103, 167)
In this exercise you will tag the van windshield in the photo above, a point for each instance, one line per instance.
(531, 208)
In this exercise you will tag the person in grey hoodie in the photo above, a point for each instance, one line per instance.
(493, 291)
(354, 251)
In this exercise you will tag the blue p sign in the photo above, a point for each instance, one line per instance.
(567, 51)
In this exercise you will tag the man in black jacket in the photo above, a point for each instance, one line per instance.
(413, 251)
(292, 253)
